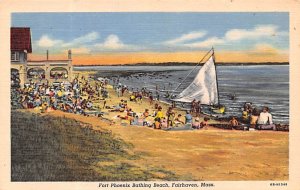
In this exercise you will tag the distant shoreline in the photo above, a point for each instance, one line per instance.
(187, 64)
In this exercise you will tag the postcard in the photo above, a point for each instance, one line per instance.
(149, 95)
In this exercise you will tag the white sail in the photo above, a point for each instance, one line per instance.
(204, 87)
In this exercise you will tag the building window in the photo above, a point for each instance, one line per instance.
(15, 56)
(58, 73)
(36, 73)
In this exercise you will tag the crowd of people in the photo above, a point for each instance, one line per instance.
(252, 118)
(159, 119)
(80, 95)
(75, 97)
(15, 79)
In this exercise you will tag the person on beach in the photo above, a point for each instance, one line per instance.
(156, 105)
(157, 123)
(37, 102)
(123, 90)
(139, 97)
(265, 117)
(204, 123)
(44, 107)
(118, 108)
(130, 112)
(168, 114)
(233, 123)
(193, 106)
(179, 121)
(265, 120)
(254, 118)
(196, 124)
(104, 104)
(135, 121)
(198, 108)
(146, 113)
(245, 115)
(188, 117)
(119, 91)
(126, 117)
(89, 105)
(171, 117)
(150, 99)
(164, 123)
(132, 98)
(248, 107)
(173, 104)
(159, 113)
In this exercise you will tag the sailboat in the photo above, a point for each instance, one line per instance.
(204, 87)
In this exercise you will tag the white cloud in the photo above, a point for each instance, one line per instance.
(84, 44)
(186, 37)
(206, 43)
(87, 38)
(259, 37)
(90, 37)
(261, 33)
(46, 42)
(257, 32)
(78, 45)
(112, 42)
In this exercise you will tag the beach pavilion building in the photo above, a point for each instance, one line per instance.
(25, 71)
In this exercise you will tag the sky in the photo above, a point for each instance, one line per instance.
(118, 38)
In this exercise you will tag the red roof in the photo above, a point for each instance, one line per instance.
(20, 39)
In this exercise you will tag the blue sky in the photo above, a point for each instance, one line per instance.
(88, 33)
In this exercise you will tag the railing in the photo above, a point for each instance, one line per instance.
(48, 62)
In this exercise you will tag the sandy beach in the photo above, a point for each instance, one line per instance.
(211, 154)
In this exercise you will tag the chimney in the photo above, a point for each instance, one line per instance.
(69, 55)
(47, 55)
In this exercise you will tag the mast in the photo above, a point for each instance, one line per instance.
(213, 56)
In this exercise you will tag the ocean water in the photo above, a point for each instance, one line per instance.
(262, 85)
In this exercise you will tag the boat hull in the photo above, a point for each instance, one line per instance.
(220, 110)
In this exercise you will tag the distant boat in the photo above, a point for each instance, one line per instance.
(232, 96)
(204, 87)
